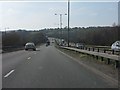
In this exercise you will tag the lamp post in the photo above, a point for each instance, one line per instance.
(61, 22)
(5, 30)
(68, 19)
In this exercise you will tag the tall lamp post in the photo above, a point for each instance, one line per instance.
(5, 30)
(60, 22)
(68, 19)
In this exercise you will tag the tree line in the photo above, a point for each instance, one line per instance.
(104, 36)
(17, 39)
(91, 35)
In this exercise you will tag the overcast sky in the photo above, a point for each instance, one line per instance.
(40, 15)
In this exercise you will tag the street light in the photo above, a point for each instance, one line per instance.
(68, 19)
(61, 21)
(6, 29)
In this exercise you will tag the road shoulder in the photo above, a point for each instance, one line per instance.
(107, 72)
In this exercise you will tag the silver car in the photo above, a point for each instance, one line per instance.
(116, 46)
(80, 45)
(30, 45)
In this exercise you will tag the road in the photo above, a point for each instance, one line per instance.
(47, 68)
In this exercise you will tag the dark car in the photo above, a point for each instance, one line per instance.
(30, 45)
(47, 42)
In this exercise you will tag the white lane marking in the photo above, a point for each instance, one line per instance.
(29, 58)
(9, 73)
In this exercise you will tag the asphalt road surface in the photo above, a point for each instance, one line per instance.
(47, 68)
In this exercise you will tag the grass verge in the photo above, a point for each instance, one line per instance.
(110, 70)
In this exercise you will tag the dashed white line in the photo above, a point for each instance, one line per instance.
(9, 73)
(29, 58)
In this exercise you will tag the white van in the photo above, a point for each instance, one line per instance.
(116, 46)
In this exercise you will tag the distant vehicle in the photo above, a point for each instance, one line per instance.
(116, 46)
(53, 40)
(47, 42)
(62, 42)
(80, 45)
(30, 45)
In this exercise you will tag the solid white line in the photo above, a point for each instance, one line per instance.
(9, 73)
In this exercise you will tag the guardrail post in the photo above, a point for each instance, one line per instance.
(116, 63)
(80, 47)
(112, 51)
(89, 49)
(97, 57)
(86, 48)
(104, 51)
(93, 49)
(108, 61)
(101, 58)
(98, 49)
